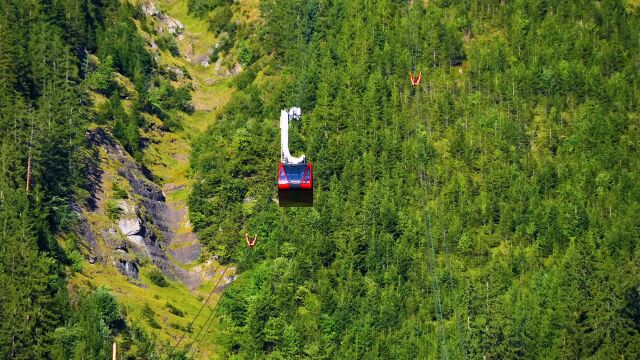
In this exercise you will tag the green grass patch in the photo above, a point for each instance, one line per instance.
(136, 298)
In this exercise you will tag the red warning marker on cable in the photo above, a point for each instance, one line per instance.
(251, 242)
(415, 79)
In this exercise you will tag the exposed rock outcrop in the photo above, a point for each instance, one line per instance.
(167, 23)
(132, 229)
(144, 224)
(128, 268)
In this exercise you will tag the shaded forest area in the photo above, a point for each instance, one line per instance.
(56, 57)
(489, 213)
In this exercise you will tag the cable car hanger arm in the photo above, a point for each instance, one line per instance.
(293, 113)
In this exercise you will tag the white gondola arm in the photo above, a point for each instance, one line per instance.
(293, 113)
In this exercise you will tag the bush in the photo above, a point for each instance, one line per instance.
(245, 78)
(162, 97)
(200, 8)
(245, 55)
(219, 19)
(101, 80)
(174, 310)
(118, 191)
(167, 42)
(176, 326)
(113, 210)
(107, 307)
(173, 123)
(76, 259)
(158, 278)
(149, 315)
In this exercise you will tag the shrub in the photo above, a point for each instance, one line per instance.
(219, 19)
(119, 192)
(149, 315)
(200, 8)
(113, 210)
(101, 80)
(174, 310)
(158, 278)
(167, 42)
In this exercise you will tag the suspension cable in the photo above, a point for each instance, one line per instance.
(442, 335)
(197, 314)
(211, 314)
(207, 323)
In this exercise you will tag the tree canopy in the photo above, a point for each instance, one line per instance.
(490, 212)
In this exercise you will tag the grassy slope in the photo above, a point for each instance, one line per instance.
(134, 296)
(168, 159)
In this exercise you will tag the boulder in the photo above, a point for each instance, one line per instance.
(133, 230)
(149, 8)
(130, 226)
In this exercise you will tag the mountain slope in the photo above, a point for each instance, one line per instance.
(488, 212)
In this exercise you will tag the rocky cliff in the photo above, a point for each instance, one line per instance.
(126, 220)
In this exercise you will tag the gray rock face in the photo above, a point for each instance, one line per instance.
(173, 26)
(133, 230)
(147, 224)
(227, 280)
(139, 230)
(127, 268)
(169, 24)
(130, 226)
(149, 8)
(85, 232)
(141, 185)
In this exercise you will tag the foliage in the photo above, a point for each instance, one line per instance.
(98, 318)
(99, 321)
(167, 42)
(174, 310)
(219, 19)
(42, 120)
(150, 316)
(121, 41)
(224, 44)
(44, 113)
(157, 278)
(488, 213)
(118, 191)
(113, 211)
(200, 8)
(101, 80)
(245, 55)
(163, 97)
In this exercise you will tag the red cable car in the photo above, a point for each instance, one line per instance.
(295, 184)
(295, 174)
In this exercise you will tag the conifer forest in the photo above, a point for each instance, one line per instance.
(472, 170)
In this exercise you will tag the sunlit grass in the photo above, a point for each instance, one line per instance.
(133, 297)
(196, 36)
(249, 11)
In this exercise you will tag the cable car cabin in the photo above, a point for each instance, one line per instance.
(295, 185)
(295, 174)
